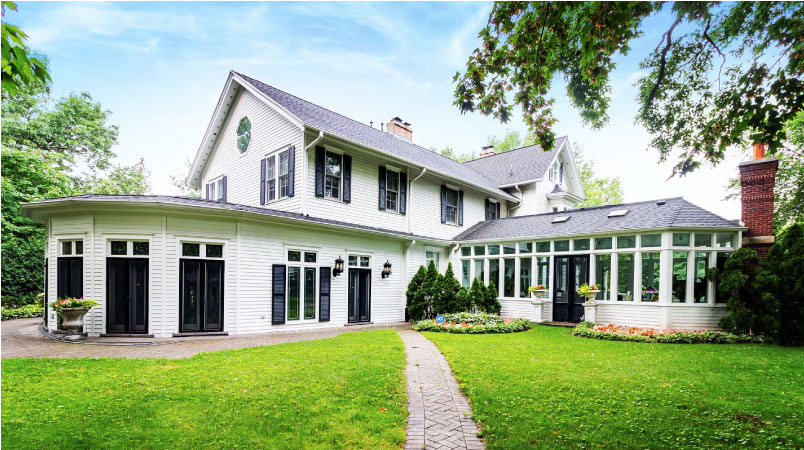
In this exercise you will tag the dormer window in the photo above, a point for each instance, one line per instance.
(243, 134)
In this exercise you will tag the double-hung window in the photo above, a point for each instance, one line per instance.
(284, 170)
(391, 190)
(451, 206)
(492, 209)
(216, 190)
(332, 179)
(270, 178)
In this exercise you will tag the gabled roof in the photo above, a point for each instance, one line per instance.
(29, 209)
(674, 213)
(332, 123)
(517, 166)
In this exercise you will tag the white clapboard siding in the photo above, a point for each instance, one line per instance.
(270, 132)
(640, 315)
(696, 317)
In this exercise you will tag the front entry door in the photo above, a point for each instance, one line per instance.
(127, 295)
(201, 295)
(359, 295)
(571, 273)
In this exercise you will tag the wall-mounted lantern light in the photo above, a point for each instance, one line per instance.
(386, 269)
(338, 267)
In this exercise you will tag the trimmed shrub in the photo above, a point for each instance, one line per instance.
(637, 334)
(23, 312)
(783, 277)
(752, 307)
(416, 308)
(473, 323)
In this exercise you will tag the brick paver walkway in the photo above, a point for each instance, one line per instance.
(440, 416)
(21, 339)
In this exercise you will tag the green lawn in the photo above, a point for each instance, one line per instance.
(547, 389)
(346, 392)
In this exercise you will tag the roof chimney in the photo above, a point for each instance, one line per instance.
(487, 150)
(757, 179)
(400, 129)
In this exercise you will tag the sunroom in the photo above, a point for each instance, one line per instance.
(646, 276)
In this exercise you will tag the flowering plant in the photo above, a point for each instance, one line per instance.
(69, 302)
(537, 287)
(666, 336)
(650, 290)
(474, 323)
(587, 290)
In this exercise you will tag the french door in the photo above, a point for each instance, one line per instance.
(571, 273)
(359, 295)
(201, 295)
(127, 295)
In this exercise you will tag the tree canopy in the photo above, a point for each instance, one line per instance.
(732, 77)
(19, 66)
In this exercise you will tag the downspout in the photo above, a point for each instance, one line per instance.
(304, 171)
(410, 198)
(521, 199)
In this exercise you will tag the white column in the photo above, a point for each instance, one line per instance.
(517, 265)
(638, 276)
(690, 277)
(614, 273)
(710, 284)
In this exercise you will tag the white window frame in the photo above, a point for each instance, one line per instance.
(302, 265)
(72, 241)
(215, 188)
(436, 252)
(279, 174)
(129, 246)
(359, 260)
(388, 189)
(327, 154)
(270, 177)
(447, 206)
(202, 249)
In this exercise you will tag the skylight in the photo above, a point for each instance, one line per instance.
(560, 219)
(618, 213)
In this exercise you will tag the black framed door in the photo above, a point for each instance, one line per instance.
(571, 273)
(70, 277)
(201, 295)
(359, 295)
(127, 295)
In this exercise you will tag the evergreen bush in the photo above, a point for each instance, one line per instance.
(416, 309)
(783, 278)
(753, 310)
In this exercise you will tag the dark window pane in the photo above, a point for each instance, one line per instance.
(543, 247)
(190, 249)
(680, 276)
(724, 240)
(214, 251)
(720, 263)
(525, 247)
(480, 250)
(466, 251)
(625, 276)
(602, 243)
(701, 264)
(294, 286)
(681, 239)
(509, 267)
(309, 291)
(79, 247)
(364, 261)
(309, 257)
(524, 277)
(626, 241)
(509, 249)
(465, 264)
(652, 240)
(603, 276)
(352, 260)
(67, 247)
(561, 246)
(120, 247)
(543, 271)
(494, 272)
(480, 274)
(580, 244)
(494, 249)
(650, 277)
(294, 256)
(703, 240)
(141, 248)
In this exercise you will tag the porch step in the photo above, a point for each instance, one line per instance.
(560, 324)
(201, 333)
(127, 335)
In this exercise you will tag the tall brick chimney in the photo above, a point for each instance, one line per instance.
(487, 150)
(401, 129)
(757, 178)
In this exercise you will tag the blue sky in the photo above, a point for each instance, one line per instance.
(160, 68)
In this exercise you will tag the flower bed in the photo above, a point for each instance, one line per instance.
(473, 323)
(23, 312)
(666, 336)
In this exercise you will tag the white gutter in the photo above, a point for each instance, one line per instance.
(410, 198)
(304, 171)
(521, 199)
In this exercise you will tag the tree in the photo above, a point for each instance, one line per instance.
(599, 191)
(752, 307)
(416, 309)
(449, 153)
(477, 296)
(491, 304)
(20, 68)
(449, 300)
(783, 277)
(732, 78)
(428, 294)
(510, 141)
(179, 182)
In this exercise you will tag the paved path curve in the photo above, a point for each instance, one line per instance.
(440, 416)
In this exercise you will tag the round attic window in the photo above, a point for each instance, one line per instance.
(243, 134)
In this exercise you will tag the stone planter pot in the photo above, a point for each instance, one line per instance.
(72, 322)
(590, 311)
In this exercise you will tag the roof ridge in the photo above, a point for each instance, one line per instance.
(384, 133)
(514, 150)
(590, 208)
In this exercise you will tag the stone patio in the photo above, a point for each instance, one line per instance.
(440, 416)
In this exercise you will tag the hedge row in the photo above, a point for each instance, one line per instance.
(22, 312)
(473, 323)
(636, 334)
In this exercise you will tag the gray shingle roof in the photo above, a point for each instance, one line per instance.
(27, 208)
(516, 166)
(330, 122)
(675, 213)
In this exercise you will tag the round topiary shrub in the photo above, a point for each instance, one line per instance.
(473, 323)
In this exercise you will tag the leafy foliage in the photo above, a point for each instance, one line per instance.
(752, 309)
(599, 190)
(473, 323)
(511, 141)
(19, 67)
(416, 308)
(448, 298)
(636, 334)
(690, 99)
(23, 312)
(783, 278)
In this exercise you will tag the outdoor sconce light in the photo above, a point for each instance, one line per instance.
(386, 269)
(338, 267)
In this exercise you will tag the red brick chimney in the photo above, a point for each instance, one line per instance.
(757, 178)
(487, 150)
(401, 129)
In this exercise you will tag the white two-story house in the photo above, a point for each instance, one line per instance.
(311, 219)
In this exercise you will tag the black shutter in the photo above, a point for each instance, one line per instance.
(488, 209)
(278, 303)
(443, 204)
(347, 178)
(291, 170)
(262, 182)
(381, 180)
(323, 294)
(460, 208)
(403, 192)
(223, 188)
(320, 153)
(498, 210)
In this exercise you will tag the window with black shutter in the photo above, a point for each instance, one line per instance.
(492, 209)
(451, 209)
(381, 182)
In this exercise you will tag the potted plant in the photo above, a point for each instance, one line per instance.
(652, 294)
(539, 293)
(589, 292)
(538, 290)
(72, 312)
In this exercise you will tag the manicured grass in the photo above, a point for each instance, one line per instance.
(547, 389)
(344, 392)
